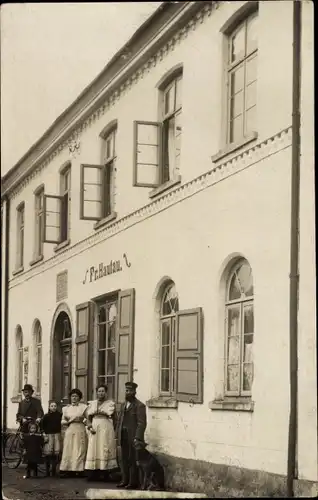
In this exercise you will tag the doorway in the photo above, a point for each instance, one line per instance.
(62, 359)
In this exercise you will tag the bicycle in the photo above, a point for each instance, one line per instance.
(13, 448)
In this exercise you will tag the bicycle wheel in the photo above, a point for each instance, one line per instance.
(13, 450)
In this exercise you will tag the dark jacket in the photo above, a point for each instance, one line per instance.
(31, 408)
(51, 423)
(136, 421)
(33, 444)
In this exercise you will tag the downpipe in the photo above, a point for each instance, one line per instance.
(292, 473)
(5, 334)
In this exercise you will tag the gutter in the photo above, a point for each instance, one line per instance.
(294, 253)
(5, 334)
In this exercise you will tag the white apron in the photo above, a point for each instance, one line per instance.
(75, 439)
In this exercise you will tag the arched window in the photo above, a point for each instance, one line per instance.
(239, 330)
(19, 344)
(38, 356)
(169, 308)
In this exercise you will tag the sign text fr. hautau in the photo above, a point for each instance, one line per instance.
(114, 266)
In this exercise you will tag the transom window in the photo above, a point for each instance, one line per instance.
(169, 308)
(106, 325)
(239, 331)
(242, 79)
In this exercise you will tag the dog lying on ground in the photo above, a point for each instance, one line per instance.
(151, 471)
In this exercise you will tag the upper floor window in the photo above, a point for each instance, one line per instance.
(39, 221)
(239, 308)
(158, 143)
(57, 210)
(20, 235)
(97, 181)
(168, 310)
(242, 80)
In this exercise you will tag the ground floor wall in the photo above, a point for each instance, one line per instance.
(192, 243)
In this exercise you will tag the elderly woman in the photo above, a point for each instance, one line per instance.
(75, 438)
(101, 452)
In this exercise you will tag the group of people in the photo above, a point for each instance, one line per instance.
(96, 439)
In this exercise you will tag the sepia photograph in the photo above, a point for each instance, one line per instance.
(158, 250)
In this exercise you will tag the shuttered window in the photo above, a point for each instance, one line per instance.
(83, 341)
(189, 356)
(125, 341)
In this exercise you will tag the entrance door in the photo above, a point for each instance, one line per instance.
(62, 362)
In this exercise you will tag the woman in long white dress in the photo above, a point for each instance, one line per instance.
(101, 451)
(75, 437)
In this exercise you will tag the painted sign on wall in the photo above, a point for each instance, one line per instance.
(103, 269)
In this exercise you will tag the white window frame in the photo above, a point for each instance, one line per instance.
(20, 235)
(171, 320)
(239, 303)
(231, 68)
(39, 221)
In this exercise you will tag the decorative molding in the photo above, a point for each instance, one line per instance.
(119, 92)
(232, 166)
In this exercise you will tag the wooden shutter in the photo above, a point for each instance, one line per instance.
(147, 153)
(83, 343)
(91, 192)
(125, 341)
(189, 356)
(52, 209)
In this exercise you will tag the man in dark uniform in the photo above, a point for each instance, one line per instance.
(131, 426)
(29, 408)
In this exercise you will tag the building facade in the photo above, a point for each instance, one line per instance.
(149, 239)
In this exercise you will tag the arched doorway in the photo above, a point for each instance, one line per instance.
(62, 359)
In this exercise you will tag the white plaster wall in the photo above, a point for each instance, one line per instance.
(203, 83)
(190, 243)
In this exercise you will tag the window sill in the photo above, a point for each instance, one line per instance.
(232, 404)
(162, 402)
(106, 220)
(61, 245)
(164, 187)
(18, 271)
(36, 260)
(231, 148)
(16, 399)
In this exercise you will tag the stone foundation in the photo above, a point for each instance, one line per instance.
(226, 481)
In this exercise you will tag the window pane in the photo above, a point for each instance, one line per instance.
(236, 129)
(102, 314)
(112, 312)
(250, 95)
(233, 378)
(237, 105)
(111, 334)
(101, 363)
(251, 70)
(250, 120)
(237, 44)
(165, 357)
(233, 350)
(237, 80)
(110, 362)
(165, 333)
(251, 37)
(170, 303)
(248, 319)
(165, 381)
(235, 291)
(245, 278)
(234, 321)
(178, 93)
(248, 348)
(247, 376)
(187, 376)
(102, 336)
(110, 381)
(169, 100)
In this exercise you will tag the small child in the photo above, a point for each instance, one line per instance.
(51, 426)
(33, 443)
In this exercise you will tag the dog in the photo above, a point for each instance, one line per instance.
(151, 471)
